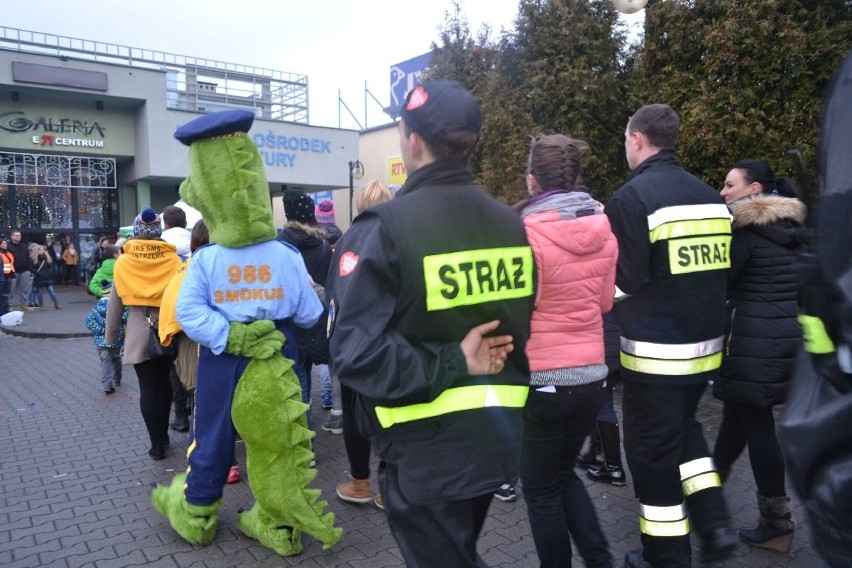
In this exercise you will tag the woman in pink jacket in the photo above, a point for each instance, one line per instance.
(575, 253)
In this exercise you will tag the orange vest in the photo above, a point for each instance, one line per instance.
(8, 262)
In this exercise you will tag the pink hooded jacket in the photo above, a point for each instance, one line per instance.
(575, 254)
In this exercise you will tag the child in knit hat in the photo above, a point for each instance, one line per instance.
(325, 212)
(147, 224)
(109, 354)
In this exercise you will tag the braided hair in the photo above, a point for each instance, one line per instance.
(556, 161)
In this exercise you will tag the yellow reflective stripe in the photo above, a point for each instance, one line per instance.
(672, 350)
(663, 521)
(658, 528)
(701, 482)
(664, 367)
(455, 400)
(699, 254)
(816, 337)
(696, 467)
(477, 276)
(688, 212)
(678, 229)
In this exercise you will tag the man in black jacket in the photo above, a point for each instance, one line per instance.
(418, 285)
(22, 285)
(674, 236)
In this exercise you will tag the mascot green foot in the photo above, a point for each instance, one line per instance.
(196, 524)
(258, 525)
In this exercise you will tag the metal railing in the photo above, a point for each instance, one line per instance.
(193, 83)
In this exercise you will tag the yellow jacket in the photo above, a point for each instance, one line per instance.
(169, 326)
(143, 271)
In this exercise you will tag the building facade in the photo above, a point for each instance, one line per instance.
(86, 133)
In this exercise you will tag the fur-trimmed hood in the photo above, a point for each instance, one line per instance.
(780, 219)
(315, 231)
(763, 209)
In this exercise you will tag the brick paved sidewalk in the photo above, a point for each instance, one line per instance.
(75, 479)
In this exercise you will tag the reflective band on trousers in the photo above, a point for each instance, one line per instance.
(455, 400)
(661, 367)
(816, 337)
(663, 521)
(699, 474)
(671, 358)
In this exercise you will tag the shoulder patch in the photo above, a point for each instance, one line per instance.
(348, 262)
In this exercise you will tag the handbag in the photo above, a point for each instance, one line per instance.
(157, 350)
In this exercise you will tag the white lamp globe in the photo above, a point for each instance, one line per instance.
(629, 6)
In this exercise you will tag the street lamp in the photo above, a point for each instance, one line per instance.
(356, 171)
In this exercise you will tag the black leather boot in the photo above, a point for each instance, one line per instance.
(718, 545)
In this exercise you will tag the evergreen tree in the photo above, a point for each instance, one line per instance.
(559, 70)
(746, 77)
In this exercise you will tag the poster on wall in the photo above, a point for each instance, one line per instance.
(396, 172)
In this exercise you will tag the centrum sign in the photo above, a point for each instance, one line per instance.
(54, 128)
(51, 140)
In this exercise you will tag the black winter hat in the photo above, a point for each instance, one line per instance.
(299, 207)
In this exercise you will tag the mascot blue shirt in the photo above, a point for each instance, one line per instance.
(244, 284)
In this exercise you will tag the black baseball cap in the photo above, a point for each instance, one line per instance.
(435, 108)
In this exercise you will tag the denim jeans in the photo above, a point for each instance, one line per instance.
(303, 371)
(555, 426)
(37, 295)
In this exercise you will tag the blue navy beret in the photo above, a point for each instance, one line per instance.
(215, 124)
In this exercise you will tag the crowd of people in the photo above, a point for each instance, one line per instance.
(453, 325)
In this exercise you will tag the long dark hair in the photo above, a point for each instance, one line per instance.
(762, 173)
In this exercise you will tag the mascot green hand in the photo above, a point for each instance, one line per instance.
(242, 372)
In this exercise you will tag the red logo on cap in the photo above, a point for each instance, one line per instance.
(348, 262)
(418, 98)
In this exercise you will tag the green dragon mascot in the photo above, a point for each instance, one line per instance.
(240, 297)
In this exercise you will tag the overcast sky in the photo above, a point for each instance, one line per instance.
(338, 44)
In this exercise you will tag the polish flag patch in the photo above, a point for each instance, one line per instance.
(418, 98)
(348, 262)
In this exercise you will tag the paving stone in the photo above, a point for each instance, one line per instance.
(76, 480)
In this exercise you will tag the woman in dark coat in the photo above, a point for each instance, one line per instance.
(763, 337)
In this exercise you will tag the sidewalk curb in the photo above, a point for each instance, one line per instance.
(43, 334)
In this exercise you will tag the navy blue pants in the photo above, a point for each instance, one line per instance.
(211, 449)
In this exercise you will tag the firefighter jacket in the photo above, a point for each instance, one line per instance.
(408, 281)
(674, 241)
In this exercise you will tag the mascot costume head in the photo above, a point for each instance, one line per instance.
(227, 184)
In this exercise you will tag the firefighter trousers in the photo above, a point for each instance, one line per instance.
(673, 474)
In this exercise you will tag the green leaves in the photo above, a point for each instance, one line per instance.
(746, 76)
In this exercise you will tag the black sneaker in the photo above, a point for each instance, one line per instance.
(506, 493)
(109, 390)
